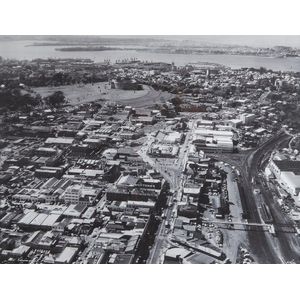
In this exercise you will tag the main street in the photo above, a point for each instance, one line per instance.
(161, 241)
(174, 174)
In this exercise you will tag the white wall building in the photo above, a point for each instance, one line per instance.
(78, 194)
(287, 172)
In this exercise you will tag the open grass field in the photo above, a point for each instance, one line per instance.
(78, 94)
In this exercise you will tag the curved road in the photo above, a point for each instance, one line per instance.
(151, 98)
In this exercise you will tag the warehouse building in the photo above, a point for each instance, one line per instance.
(287, 172)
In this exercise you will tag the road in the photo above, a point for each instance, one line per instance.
(161, 240)
(161, 236)
(173, 173)
(148, 100)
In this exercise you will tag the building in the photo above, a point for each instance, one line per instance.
(213, 140)
(59, 141)
(49, 172)
(79, 194)
(38, 221)
(67, 256)
(172, 138)
(145, 120)
(287, 172)
(161, 150)
(247, 118)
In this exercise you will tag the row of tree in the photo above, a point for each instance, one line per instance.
(17, 99)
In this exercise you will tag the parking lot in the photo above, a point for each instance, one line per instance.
(232, 238)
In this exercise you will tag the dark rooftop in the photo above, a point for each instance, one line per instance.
(288, 165)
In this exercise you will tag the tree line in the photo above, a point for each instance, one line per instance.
(18, 99)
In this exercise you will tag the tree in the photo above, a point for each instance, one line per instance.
(14, 99)
(56, 99)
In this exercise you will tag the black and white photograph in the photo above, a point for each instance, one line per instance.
(150, 149)
(176, 147)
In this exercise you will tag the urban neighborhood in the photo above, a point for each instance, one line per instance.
(132, 161)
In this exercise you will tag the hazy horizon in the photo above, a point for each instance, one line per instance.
(238, 40)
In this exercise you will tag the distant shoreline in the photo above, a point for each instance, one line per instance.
(21, 51)
(189, 50)
(169, 51)
(89, 48)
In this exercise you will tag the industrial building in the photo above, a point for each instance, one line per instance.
(287, 172)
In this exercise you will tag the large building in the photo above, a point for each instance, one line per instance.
(287, 172)
(161, 150)
(213, 140)
(170, 137)
(78, 194)
(132, 188)
(59, 141)
(247, 118)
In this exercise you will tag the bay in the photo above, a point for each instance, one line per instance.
(21, 51)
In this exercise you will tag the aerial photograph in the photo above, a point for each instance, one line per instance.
(149, 149)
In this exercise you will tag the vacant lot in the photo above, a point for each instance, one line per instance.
(78, 94)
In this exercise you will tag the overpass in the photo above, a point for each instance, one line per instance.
(269, 227)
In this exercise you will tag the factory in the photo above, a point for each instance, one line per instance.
(287, 172)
